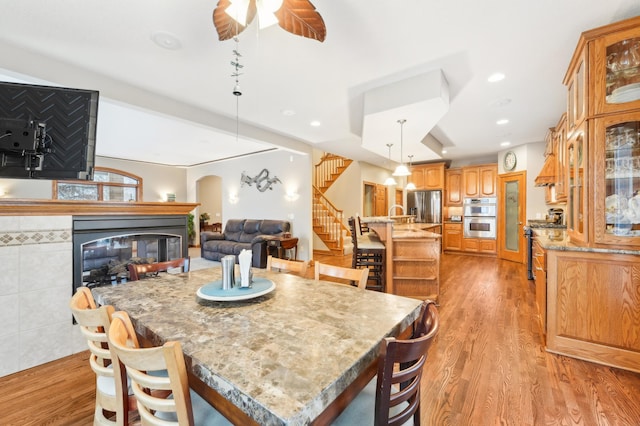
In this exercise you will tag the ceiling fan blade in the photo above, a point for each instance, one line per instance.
(226, 26)
(301, 18)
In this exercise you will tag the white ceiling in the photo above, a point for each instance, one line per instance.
(107, 46)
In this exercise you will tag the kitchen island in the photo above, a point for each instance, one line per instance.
(412, 256)
(592, 300)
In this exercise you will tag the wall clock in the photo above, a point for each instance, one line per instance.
(510, 161)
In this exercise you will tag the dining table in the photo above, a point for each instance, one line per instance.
(295, 355)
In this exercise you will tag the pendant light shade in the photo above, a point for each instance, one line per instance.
(402, 169)
(410, 185)
(390, 181)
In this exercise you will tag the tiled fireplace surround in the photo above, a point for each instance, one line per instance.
(35, 288)
(36, 276)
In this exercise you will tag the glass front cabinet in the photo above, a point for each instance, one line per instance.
(577, 175)
(603, 144)
(615, 59)
(616, 216)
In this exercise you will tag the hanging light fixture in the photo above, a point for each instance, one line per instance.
(390, 180)
(266, 9)
(299, 17)
(402, 169)
(410, 185)
(236, 89)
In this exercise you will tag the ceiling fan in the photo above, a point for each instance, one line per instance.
(299, 17)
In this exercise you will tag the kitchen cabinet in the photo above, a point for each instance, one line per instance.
(555, 163)
(416, 267)
(613, 54)
(615, 218)
(479, 245)
(428, 176)
(452, 237)
(540, 278)
(593, 276)
(592, 305)
(560, 151)
(576, 82)
(480, 181)
(577, 175)
(453, 187)
(602, 163)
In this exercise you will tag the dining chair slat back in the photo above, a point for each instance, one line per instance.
(393, 397)
(140, 271)
(94, 323)
(283, 265)
(359, 276)
(154, 372)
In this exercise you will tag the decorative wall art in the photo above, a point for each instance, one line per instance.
(262, 180)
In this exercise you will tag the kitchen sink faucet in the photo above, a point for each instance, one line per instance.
(394, 206)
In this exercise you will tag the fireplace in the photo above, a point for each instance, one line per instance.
(103, 246)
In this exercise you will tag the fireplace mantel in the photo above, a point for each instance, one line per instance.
(35, 207)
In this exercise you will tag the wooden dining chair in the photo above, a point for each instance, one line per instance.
(184, 406)
(393, 397)
(360, 276)
(139, 271)
(283, 265)
(94, 325)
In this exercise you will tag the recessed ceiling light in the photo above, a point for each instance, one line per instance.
(505, 143)
(288, 112)
(166, 40)
(444, 151)
(493, 78)
(315, 123)
(502, 121)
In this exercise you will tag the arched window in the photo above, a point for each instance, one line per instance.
(107, 185)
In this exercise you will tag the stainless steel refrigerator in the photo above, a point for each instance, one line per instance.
(425, 205)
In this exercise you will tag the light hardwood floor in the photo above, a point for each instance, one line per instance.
(487, 366)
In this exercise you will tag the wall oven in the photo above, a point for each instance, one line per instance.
(480, 207)
(480, 227)
(480, 217)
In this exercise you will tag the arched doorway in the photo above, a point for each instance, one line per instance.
(209, 195)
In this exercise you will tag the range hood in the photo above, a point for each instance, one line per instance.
(547, 175)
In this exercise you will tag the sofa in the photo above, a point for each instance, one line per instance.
(239, 234)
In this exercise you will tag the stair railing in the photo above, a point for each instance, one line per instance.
(327, 168)
(334, 225)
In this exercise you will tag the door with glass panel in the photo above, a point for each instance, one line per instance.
(512, 195)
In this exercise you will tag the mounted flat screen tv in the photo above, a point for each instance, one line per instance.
(47, 132)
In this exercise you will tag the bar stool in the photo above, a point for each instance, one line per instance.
(364, 228)
(368, 253)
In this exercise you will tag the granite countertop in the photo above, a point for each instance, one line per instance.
(558, 239)
(282, 357)
(544, 224)
(415, 230)
(376, 219)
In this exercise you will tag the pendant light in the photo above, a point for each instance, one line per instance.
(410, 185)
(390, 180)
(402, 169)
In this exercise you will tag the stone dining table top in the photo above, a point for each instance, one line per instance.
(282, 358)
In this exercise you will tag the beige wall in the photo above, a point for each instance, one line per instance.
(209, 195)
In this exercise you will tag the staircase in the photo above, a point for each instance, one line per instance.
(328, 221)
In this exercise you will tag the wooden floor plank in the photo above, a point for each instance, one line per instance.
(487, 365)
